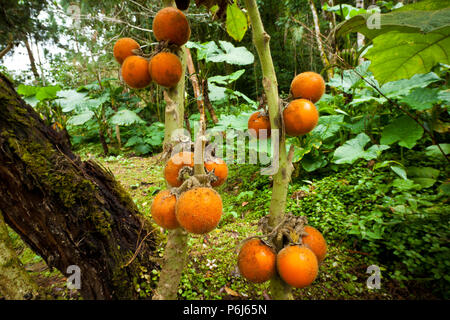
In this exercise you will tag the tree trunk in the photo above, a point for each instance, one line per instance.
(360, 36)
(70, 212)
(15, 282)
(8, 48)
(279, 289)
(323, 55)
(31, 57)
(201, 99)
(175, 252)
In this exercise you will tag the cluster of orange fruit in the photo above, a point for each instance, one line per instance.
(197, 210)
(300, 116)
(297, 265)
(171, 26)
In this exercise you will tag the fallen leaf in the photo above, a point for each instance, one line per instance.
(231, 292)
(244, 203)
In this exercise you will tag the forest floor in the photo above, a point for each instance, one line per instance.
(212, 272)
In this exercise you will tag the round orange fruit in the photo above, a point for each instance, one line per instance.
(297, 266)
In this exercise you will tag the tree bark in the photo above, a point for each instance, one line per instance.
(15, 282)
(360, 36)
(278, 288)
(31, 57)
(70, 212)
(175, 252)
(8, 48)
(323, 55)
(202, 101)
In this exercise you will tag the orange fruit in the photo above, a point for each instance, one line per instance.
(259, 121)
(135, 72)
(297, 266)
(256, 261)
(300, 117)
(165, 69)
(220, 170)
(170, 24)
(199, 210)
(316, 242)
(163, 210)
(123, 48)
(308, 85)
(174, 165)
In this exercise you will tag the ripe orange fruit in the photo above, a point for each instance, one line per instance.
(123, 48)
(135, 72)
(316, 242)
(170, 24)
(165, 69)
(199, 210)
(308, 85)
(256, 261)
(163, 210)
(259, 121)
(174, 165)
(220, 170)
(297, 266)
(300, 117)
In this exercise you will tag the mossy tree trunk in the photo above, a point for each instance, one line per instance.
(15, 282)
(279, 289)
(175, 253)
(70, 212)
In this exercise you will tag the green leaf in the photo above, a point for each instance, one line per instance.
(400, 171)
(70, 99)
(134, 141)
(396, 55)
(311, 163)
(398, 89)
(232, 54)
(353, 150)
(47, 93)
(444, 96)
(27, 91)
(433, 150)
(236, 22)
(423, 172)
(125, 117)
(350, 78)
(421, 98)
(403, 20)
(226, 79)
(216, 93)
(403, 130)
(81, 118)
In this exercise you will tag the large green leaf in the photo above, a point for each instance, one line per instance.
(232, 54)
(423, 176)
(227, 52)
(398, 89)
(27, 91)
(403, 20)
(433, 150)
(353, 150)
(81, 118)
(403, 130)
(421, 98)
(70, 99)
(125, 117)
(236, 22)
(399, 55)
